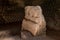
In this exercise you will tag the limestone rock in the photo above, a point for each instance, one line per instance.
(34, 20)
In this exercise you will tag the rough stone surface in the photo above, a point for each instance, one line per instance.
(10, 31)
(34, 20)
(50, 9)
(11, 11)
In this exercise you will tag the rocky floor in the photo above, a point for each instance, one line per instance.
(12, 32)
(50, 35)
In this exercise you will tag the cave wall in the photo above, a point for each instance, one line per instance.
(13, 10)
(51, 11)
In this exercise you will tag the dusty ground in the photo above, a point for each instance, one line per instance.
(12, 32)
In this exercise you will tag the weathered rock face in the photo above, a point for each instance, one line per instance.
(54, 23)
(11, 11)
(19, 3)
(34, 20)
(51, 10)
